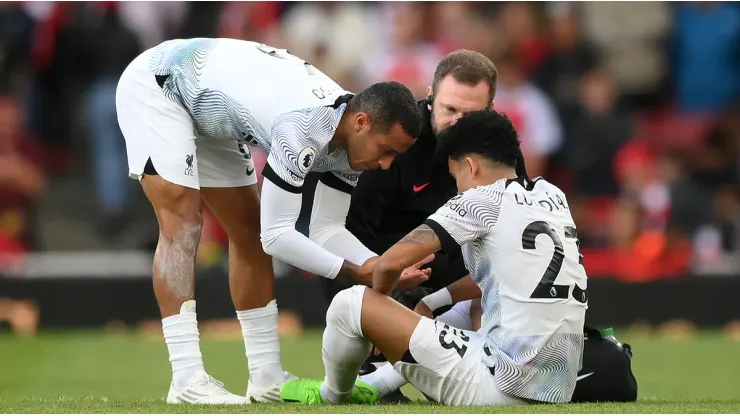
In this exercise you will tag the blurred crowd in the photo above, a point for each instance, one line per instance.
(632, 108)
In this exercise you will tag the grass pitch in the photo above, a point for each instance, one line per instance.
(94, 372)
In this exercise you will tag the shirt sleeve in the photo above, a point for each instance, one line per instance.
(279, 212)
(467, 216)
(328, 216)
(296, 139)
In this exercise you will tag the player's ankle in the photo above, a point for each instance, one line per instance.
(332, 397)
(183, 343)
(267, 376)
(185, 376)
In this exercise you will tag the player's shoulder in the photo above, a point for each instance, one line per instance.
(497, 191)
(541, 188)
(481, 203)
(312, 125)
(487, 195)
(545, 198)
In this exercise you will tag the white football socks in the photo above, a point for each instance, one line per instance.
(182, 338)
(262, 344)
(385, 378)
(343, 347)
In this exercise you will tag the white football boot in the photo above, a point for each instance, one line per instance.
(269, 394)
(203, 389)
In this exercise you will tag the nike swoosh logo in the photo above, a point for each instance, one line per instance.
(250, 171)
(420, 187)
(579, 378)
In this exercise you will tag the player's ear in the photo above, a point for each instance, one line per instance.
(473, 165)
(492, 103)
(362, 121)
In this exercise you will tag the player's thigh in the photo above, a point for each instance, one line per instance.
(387, 324)
(159, 133)
(228, 185)
(445, 364)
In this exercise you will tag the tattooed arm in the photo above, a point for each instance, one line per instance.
(412, 250)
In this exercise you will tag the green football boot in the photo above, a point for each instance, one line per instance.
(307, 391)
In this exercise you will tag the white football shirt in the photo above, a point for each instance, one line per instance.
(250, 92)
(520, 245)
(257, 94)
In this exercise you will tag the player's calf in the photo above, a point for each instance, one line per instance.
(251, 281)
(178, 212)
(344, 348)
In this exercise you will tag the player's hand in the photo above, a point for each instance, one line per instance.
(365, 273)
(424, 310)
(415, 275)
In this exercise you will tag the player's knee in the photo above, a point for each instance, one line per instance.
(182, 228)
(177, 207)
(345, 310)
(183, 239)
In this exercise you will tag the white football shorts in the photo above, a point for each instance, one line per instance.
(158, 129)
(448, 367)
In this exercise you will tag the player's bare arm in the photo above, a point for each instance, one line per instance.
(413, 250)
(464, 289)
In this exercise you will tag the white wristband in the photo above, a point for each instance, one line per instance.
(438, 299)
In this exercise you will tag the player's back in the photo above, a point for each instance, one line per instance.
(234, 89)
(533, 285)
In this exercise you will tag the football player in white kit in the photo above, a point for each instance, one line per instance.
(519, 244)
(188, 109)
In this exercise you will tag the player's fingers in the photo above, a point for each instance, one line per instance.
(426, 260)
(411, 282)
(413, 275)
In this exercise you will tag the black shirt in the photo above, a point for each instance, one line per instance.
(387, 205)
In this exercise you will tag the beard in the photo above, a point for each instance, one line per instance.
(439, 157)
(436, 130)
